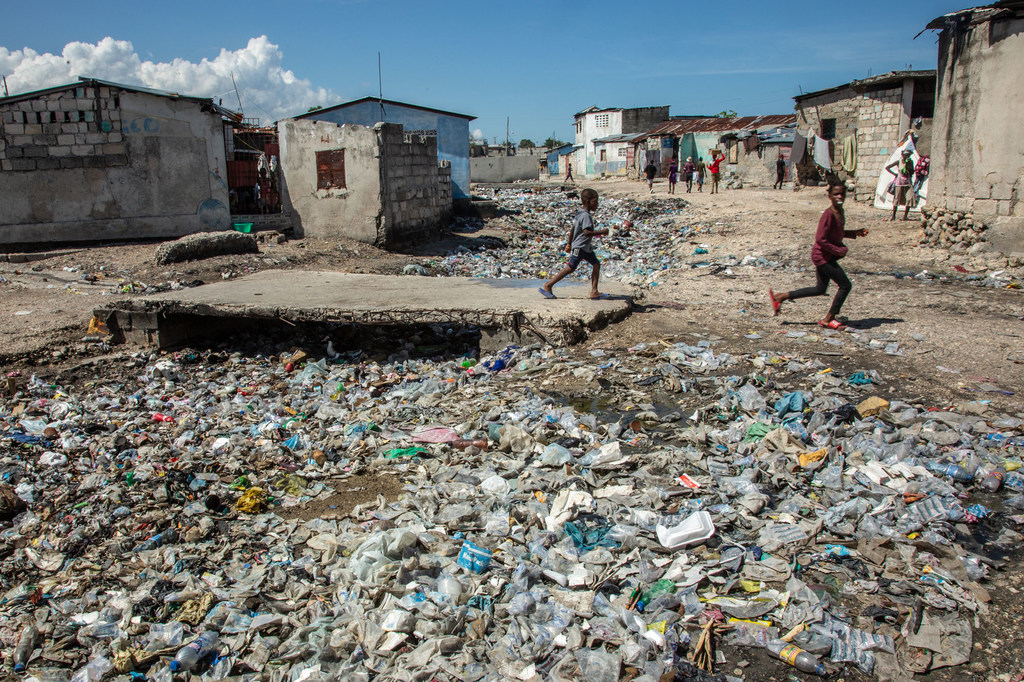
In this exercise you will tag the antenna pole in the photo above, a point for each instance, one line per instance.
(236, 92)
(380, 88)
(6, 92)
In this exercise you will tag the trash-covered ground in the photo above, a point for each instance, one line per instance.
(687, 509)
(651, 505)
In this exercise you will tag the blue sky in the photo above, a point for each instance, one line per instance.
(535, 62)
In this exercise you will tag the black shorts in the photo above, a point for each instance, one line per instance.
(578, 255)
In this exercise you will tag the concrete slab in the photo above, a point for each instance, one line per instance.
(506, 309)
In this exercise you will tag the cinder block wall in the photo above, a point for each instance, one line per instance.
(879, 134)
(96, 162)
(874, 116)
(417, 191)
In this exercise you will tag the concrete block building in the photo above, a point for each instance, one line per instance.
(451, 130)
(96, 160)
(381, 185)
(876, 112)
(978, 150)
(598, 151)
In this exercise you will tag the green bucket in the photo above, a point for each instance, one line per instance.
(242, 227)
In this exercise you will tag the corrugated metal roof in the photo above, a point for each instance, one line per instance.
(316, 112)
(622, 137)
(975, 15)
(719, 125)
(871, 81)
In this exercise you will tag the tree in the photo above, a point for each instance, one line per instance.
(316, 108)
(553, 143)
(526, 143)
(728, 113)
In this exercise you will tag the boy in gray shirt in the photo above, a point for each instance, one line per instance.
(580, 248)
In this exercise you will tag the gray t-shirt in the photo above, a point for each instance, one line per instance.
(580, 222)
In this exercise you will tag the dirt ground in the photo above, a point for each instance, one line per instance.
(959, 341)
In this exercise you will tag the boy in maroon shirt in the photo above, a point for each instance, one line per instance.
(825, 254)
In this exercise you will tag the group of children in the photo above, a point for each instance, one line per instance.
(693, 173)
(826, 253)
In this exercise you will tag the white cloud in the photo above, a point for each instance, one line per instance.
(478, 134)
(268, 90)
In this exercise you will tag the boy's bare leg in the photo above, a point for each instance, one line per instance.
(559, 276)
(595, 277)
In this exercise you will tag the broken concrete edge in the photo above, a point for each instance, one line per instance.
(169, 324)
(31, 257)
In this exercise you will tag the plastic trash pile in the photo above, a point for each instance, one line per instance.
(176, 517)
(537, 224)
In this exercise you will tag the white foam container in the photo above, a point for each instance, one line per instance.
(696, 527)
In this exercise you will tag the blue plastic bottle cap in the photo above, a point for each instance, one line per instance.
(19, 667)
(175, 666)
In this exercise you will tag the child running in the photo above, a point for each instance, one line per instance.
(580, 248)
(825, 254)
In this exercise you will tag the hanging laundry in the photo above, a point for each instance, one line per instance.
(822, 157)
(850, 154)
(799, 148)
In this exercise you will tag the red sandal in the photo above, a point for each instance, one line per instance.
(776, 305)
(832, 324)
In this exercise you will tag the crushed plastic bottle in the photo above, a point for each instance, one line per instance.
(196, 650)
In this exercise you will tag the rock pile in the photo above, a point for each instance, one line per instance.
(949, 228)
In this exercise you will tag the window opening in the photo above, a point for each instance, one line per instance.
(330, 169)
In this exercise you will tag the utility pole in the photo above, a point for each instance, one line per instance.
(380, 89)
(506, 137)
(6, 93)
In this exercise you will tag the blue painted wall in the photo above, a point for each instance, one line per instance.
(452, 133)
(554, 160)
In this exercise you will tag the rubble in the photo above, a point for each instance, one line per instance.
(951, 228)
(703, 508)
(205, 245)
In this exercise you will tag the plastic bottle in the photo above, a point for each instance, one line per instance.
(194, 651)
(994, 480)
(157, 540)
(796, 657)
(26, 643)
(952, 470)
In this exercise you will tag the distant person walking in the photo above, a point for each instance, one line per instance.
(673, 175)
(901, 185)
(699, 173)
(568, 172)
(780, 171)
(689, 170)
(580, 247)
(650, 171)
(716, 162)
(825, 254)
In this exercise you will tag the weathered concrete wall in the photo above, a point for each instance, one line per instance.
(394, 191)
(757, 168)
(505, 168)
(642, 119)
(452, 133)
(355, 211)
(99, 163)
(978, 150)
(595, 125)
